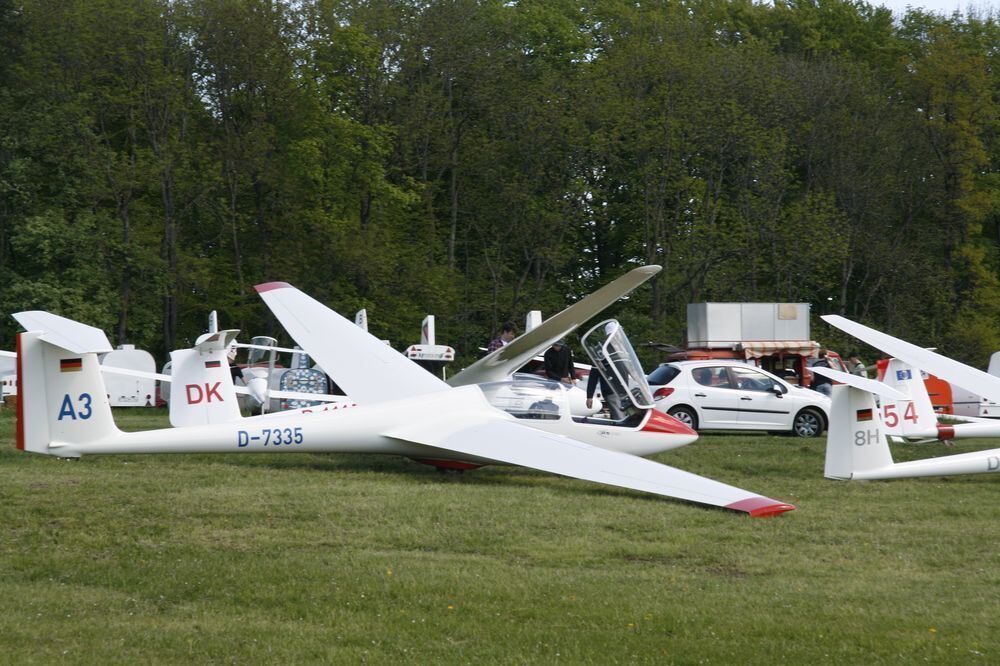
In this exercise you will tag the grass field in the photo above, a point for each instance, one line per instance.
(298, 558)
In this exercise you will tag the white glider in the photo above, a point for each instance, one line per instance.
(914, 419)
(540, 403)
(64, 411)
(857, 441)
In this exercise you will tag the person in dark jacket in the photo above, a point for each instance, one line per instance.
(609, 397)
(559, 363)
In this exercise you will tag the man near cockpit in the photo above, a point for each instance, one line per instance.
(607, 394)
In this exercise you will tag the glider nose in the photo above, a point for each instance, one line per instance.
(661, 423)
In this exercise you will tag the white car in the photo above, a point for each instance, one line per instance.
(730, 395)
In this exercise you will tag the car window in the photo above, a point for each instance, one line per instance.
(751, 380)
(716, 377)
(663, 375)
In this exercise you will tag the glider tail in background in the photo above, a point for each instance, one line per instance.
(62, 396)
(202, 390)
(856, 440)
(913, 418)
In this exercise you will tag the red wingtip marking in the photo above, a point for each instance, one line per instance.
(20, 394)
(271, 286)
(657, 421)
(946, 432)
(761, 507)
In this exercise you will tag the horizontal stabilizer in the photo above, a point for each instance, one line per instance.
(112, 370)
(870, 385)
(515, 444)
(503, 362)
(286, 350)
(219, 340)
(65, 333)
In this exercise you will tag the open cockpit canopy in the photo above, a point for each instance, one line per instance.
(613, 356)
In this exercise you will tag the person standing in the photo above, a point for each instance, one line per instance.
(855, 366)
(507, 333)
(820, 383)
(608, 396)
(559, 363)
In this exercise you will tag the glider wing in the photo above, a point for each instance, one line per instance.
(366, 368)
(506, 360)
(515, 444)
(950, 370)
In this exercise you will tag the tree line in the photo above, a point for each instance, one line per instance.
(476, 159)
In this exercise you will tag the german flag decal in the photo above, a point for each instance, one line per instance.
(212, 364)
(864, 415)
(71, 365)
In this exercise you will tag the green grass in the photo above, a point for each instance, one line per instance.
(299, 558)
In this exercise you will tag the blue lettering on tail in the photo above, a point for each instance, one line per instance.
(67, 409)
(84, 412)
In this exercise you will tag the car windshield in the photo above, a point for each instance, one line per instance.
(663, 375)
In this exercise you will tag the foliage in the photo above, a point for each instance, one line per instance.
(478, 159)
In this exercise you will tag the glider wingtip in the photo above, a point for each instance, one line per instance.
(271, 286)
(761, 507)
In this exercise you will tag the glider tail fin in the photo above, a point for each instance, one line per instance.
(203, 392)
(61, 397)
(913, 418)
(856, 441)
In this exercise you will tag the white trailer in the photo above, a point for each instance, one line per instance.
(126, 391)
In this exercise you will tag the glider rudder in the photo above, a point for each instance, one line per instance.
(856, 440)
(62, 398)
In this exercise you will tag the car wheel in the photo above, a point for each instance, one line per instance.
(685, 415)
(807, 423)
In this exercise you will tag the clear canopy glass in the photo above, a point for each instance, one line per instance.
(613, 356)
(258, 356)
